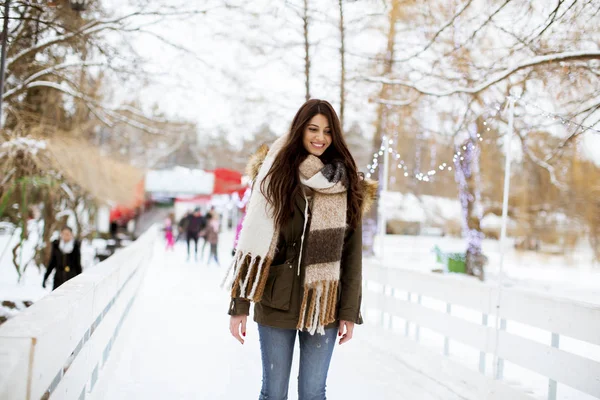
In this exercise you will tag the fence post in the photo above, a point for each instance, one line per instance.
(552, 384)
(446, 338)
(383, 307)
(407, 325)
(390, 319)
(417, 327)
(484, 322)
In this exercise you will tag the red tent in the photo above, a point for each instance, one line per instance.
(123, 213)
(227, 181)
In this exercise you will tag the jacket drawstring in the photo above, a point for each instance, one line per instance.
(303, 229)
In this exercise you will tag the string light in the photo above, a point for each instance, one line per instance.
(401, 165)
(556, 117)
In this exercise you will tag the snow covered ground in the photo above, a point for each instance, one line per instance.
(573, 276)
(176, 336)
(175, 344)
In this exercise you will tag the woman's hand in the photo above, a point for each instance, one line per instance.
(345, 331)
(237, 324)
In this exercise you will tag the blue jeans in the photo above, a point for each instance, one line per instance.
(277, 349)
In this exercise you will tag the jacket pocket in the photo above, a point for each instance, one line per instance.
(278, 289)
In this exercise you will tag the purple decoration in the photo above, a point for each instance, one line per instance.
(467, 171)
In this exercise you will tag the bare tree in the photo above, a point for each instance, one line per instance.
(305, 21)
(342, 63)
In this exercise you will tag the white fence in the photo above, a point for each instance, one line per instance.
(55, 348)
(401, 293)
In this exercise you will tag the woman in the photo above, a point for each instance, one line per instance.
(299, 256)
(65, 258)
(212, 236)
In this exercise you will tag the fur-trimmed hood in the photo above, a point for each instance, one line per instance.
(368, 186)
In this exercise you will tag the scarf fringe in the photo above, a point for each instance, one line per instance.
(318, 306)
(250, 276)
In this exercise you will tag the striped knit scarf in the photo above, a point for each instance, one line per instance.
(323, 247)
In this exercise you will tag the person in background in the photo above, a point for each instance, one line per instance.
(212, 236)
(182, 226)
(65, 258)
(210, 213)
(195, 224)
(238, 229)
(169, 234)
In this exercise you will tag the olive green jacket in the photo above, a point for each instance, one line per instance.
(282, 298)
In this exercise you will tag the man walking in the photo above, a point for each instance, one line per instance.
(195, 225)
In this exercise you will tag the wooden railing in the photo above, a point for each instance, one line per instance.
(56, 348)
(400, 293)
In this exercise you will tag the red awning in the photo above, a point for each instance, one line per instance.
(227, 181)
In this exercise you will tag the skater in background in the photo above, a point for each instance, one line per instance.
(182, 226)
(203, 233)
(195, 224)
(212, 236)
(65, 258)
(169, 234)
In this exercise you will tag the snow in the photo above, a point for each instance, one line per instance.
(411, 208)
(177, 346)
(175, 343)
(23, 143)
(573, 276)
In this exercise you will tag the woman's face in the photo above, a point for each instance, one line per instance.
(317, 135)
(66, 235)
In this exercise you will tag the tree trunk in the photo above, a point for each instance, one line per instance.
(381, 121)
(343, 64)
(467, 177)
(387, 70)
(594, 224)
(16, 262)
(49, 217)
(306, 51)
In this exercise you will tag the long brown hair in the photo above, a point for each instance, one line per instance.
(284, 177)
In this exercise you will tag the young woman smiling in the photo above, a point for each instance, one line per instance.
(299, 255)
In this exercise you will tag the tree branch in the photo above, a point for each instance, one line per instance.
(533, 62)
(548, 167)
(50, 70)
(438, 33)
